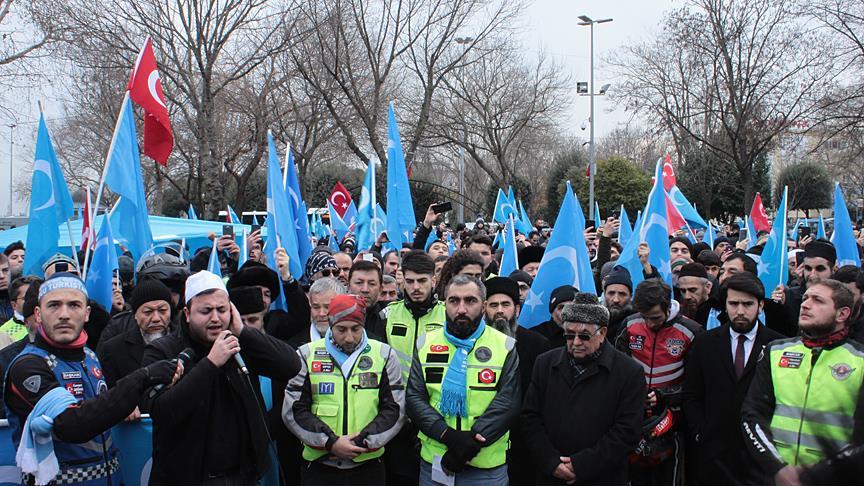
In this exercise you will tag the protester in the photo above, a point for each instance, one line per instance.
(462, 262)
(553, 328)
(8, 353)
(347, 401)
(391, 263)
(806, 400)
(6, 311)
(853, 279)
(365, 279)
(344, 262)
(617, 291)
(482, 245)
(722, 247)
(680, 247)
(464, 417)
(501, 311)
(720, 367)
(820, 262)
(695, 289)
(250, 305)
(321, 264)
(214, 398)
(389, 291)
(711, 262)
(15, 328)
(524, 281)
(659, 338)
(590, 446)
(151, 308)
(15, 254)
(55, 390)
(529, 259)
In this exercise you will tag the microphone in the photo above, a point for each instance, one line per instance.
(187, 356)
(242, 364)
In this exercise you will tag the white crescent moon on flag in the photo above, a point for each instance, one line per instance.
(333, 198)
(152, 79)
(44, 167)
(566, 253)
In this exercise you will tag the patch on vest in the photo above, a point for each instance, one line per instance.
(32, 384)
(71, 375)
(841, 371)
(399, 331)
(76, 388)
(437, 358)
(637, 342)
(439, 348)
(322, 367)
(486, 376)
(790, 359)
(322, 352)
(483, 354)
(434, 375)
(367, 349)
(97, 373)
(364, 363)
(326, 388)
(675, 346)
(368, 380)
(101, 387)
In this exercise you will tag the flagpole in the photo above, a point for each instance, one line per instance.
(619, 223)
(374, 205)
(285, 170)
(783, 235)
(102, 180)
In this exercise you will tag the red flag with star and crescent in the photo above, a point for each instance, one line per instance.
(340, 199)
(145, 89)
(758, 215)
(669, 180)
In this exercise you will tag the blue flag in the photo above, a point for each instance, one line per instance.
(794, 233)
(381, 224)
(100, 275)
(503, 208)
(280, 230)
(751, 232)
(625, 230)
(129, 219)
(820, 230)
(400, 221)
(709, 236)
(843, 236)
(255, 220)
(244, 250)
(332, 243)
(366, 225)
(213, 264)
(523, 222)
(773, 266)
(233, 216)
(191, 214)
(298, 205)
(651, 228)
(565, 262)
(597, 221)
(510, 258)
(337, 224)
(50, 204)
(687, 210)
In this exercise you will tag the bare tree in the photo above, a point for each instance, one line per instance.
(731, 76)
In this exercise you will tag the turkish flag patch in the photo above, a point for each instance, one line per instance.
(486, 376)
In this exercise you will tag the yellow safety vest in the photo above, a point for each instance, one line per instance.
(485, 364)
(346, 406)
(402, 331)
(814, 405)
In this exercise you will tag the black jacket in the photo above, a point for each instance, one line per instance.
(712, 405)
(121, 355)
(594, 419)
(529, 345)
(551, 331)
(211, 421)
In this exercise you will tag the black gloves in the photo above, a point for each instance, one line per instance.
(461, 448)
(160, 372)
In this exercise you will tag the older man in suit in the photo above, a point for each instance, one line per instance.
(719, 369)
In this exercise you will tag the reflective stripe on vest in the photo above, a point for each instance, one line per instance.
(485, 363)
(814, 405)
(84, 380)
(345, 406)
(402, 331)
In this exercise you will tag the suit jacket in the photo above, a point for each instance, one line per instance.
(712, 405)
(121, 355)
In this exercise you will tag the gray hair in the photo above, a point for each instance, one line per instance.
(388, 279)
(460, 280)
(327, 284)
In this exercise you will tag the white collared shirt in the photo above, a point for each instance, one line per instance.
(748, 344)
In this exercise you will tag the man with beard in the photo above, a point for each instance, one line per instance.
(719, 369)
(365, 279)
(553, 328)
(389, 290)
(208, 428)
(151, 309)
(407, 320)
(617, 289)
(852, 277)
(806, 401)
(56, 396)
(501, 312)
(820, 262)
(695, 289)
(347, 402)
(463, 392)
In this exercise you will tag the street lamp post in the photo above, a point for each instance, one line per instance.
(11, 132)
(460, 214)
(586, 20)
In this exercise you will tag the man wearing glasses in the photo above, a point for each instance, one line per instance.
(591, 445)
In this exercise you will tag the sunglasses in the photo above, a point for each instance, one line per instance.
(583, 336)
(329, 273)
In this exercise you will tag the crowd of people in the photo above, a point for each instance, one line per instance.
(411, 366)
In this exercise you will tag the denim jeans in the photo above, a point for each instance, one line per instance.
(470, 476)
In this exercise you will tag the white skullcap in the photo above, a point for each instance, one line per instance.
(201, 282)
(794, 252)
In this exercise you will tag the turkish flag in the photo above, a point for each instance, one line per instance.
(758, 215)
(668, 174)
(674, 220)
(145, 89)
(340, 198)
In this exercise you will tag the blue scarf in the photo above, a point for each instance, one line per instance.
(35, 453)
(346, 361)
(454, 390)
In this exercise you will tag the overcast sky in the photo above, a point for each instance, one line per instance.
(549, 25)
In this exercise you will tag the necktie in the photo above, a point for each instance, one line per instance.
(739, 356)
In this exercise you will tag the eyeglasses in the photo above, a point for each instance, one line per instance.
(329, 273)
(583, 336)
